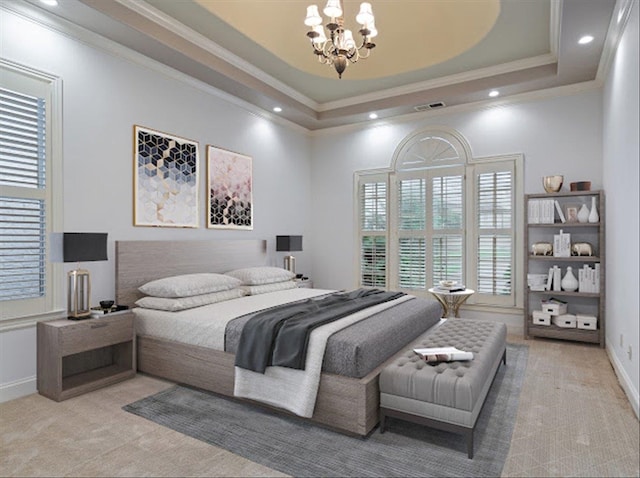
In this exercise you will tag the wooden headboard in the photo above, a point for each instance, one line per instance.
(138, 262)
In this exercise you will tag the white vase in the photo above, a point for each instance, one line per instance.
(583, 214)
(593, 215)
(569, 281)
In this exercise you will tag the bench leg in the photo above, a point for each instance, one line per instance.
(504, 357)
(382, 421)
(470, 444)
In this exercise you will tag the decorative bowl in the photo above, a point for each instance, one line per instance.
(552, 184)
(580, 186)
(106, 304)
(448, 283)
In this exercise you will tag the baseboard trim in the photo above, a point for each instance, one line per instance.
(17, 389)
(625, 382)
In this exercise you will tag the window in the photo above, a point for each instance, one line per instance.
(440, 214)
(26, 191)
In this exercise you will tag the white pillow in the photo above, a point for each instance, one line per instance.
(189, 284)
(183, 303)
(264, 288)
(261, 275)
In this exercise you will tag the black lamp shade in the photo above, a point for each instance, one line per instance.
(79, 247)
(288, 243)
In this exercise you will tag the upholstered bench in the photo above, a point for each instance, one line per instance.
(449, 395)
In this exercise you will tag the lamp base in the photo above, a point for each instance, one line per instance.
(79, 293)
(290, 263)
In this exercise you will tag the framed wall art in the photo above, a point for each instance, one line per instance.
(229, 190)
(165, 179)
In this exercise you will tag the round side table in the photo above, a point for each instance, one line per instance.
(451, 301)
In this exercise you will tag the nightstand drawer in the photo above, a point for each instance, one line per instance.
(95, 333)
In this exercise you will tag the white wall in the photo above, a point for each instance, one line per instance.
(621, 178)
(560, 135)
(104, 95)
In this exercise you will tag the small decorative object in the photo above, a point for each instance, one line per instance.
(593, 215)
(571, 213)
(447, 284)
(106, 304)
(580, 186)
(229, 190)
(542, 249)
(552, 184)
(583, 214)
(569, 281)
(581, 249)
(165, 183)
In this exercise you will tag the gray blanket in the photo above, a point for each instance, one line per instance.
(280, 336)
(358, 349)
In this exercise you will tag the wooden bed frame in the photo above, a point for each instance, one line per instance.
(346, 404)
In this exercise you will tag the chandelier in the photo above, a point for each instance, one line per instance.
(340, 48)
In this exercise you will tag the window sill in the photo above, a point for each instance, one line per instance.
(29, 321)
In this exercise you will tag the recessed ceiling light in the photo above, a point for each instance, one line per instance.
(494, 93)
(50, 3)
(373, 116)
(277, 109)
(585, 39)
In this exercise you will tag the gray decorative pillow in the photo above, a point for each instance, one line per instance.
(183, 303)
(265, 288)
(261, 275)
(189, 284)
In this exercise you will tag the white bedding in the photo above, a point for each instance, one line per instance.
(205, 326)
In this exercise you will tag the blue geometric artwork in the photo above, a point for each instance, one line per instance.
(166, 180)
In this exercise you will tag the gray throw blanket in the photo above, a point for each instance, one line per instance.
(280, 336)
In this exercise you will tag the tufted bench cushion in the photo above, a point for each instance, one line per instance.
(450, 393)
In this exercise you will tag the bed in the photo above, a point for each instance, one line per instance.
(348, 393)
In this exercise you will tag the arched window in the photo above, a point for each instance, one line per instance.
(438, 213)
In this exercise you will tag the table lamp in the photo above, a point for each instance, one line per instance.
(289, 244)
(78, 247)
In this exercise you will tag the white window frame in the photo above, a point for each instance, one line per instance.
(13, 76)
(471, 167)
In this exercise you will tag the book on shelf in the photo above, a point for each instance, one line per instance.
(560, 213)
(541, 211)
(550, 278)
(562, 244)
(557, 278)
(443, 354)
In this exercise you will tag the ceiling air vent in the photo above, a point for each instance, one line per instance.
(430, 106)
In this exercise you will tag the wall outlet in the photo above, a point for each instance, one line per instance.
(621, 340)
(629, 352)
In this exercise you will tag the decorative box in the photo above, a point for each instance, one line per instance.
(586, 322)
(566, 321)
(541, 318)
(554, 307)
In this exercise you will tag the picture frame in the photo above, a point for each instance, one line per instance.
(229, 189)
(571, 212)
(165, 179)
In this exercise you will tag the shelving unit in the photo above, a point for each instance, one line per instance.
(578, 302)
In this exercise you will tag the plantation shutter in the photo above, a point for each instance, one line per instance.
(495, 204)
(411, 244)
(448, 226)
(23, 195)
(373, 198)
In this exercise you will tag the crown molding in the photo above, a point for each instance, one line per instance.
(617, 25)
(168, 23)
(537, 95)
(77, 33)
(443, 81)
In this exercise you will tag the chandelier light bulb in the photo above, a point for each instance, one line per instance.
(321, 38)
(365, 17)
(348, 42)
(333, 9)
(313, 17)
(372, 30)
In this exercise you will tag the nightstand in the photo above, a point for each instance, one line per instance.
(304, 284)
(75, 357)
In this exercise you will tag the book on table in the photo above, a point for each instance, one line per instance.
(443, 354)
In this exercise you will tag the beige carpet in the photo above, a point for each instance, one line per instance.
(573, 420)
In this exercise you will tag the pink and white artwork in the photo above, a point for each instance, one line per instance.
(229, 189)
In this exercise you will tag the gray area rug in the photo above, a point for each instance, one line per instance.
(298, 448)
